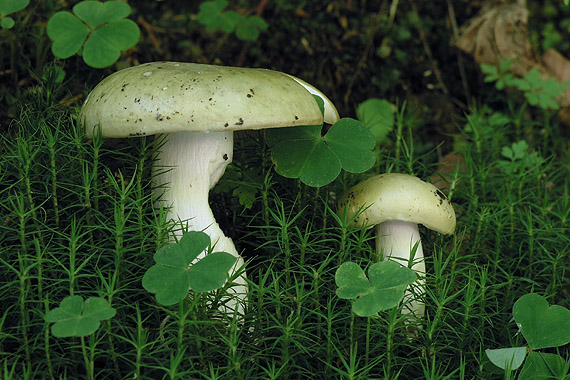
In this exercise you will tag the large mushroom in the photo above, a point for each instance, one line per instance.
(396, 203)
(199, 107)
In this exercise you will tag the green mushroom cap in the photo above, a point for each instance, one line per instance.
(167, 97)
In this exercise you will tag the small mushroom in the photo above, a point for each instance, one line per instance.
(199, 107)
(396, 204)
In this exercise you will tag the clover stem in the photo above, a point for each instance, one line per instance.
(89, 367)
(187, 167)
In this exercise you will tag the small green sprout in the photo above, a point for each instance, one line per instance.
(542, 326)
(378, 116)
(74, 317)
(304, 153)
(172, 277)
(543, 92)
(383, 289)
(101, 29)
(537, 91)
(500, 75)
(8, 7)
(519, 159)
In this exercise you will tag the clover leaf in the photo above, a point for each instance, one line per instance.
(212, 16)
(74, 317)
(304, 153)
(10, 6)
(99, 28)
(378, 116)
(381, 290)
(540, 365)
(250, 27)
(542, 326)
(172, 276)
(507, 358)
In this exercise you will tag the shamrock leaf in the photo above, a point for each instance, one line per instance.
(250, 27)
(77, 318)
(302, 152)
(95, 13)
(10, 6)
(378, 116)
(172, 276)
(100, 28)
(542, 325)
(507, 358)
(212, 16)
(383, 289)
(541, 365)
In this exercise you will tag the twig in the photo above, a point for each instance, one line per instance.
(462, 73)
(429, 54)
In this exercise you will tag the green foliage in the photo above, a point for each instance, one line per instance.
(537, 91)
(74, 317)
(213, 15)
(542, 326)
(8, 7)
(540, 92)
(98, 31)
(381, 290)
(551, 37)
(394, 50)
(304, 153)
(172, 277)
(500, 75)
(79, 215)
(378, 116)
(243, 183)
(519, 159)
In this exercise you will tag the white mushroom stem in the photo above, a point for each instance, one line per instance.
(395, 241)
(188, 166)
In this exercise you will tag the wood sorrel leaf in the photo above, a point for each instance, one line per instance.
(7, 7)
(542, 325)
(378, 116)
(96, 13)
(383, 289)
(100, 28)
(74, 317)
(105, 44)
(67, 34)
(172, 276)
(541, 365)
(507, 358)
(302, 152)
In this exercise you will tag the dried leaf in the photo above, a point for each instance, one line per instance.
(499, 32)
